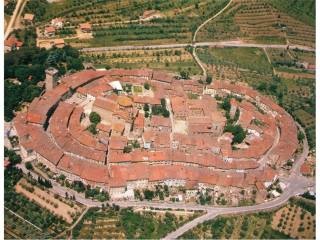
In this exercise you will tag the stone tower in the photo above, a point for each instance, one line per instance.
(51, 78)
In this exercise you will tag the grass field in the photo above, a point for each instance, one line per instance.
(297, 221)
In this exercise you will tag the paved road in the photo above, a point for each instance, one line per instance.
(198, 44)
(296, 184)
(13, 18)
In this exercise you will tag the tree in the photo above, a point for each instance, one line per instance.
(166, 113)
(209, 80)
(146, 86)
(184, 75)
(146, 107)
(300, 136)
(127, 149)
(135, 144)
(262, 86)
(74, 64)
(92, 129)
(62, 177)
(225, 105)
(237, 131)
(28, 165)
(94, 118)
(148, 194)
(163, 102)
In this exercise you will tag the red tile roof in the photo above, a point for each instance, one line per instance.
(306, 169)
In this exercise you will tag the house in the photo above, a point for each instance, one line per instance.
(85, 27)
(105, 108)
(58, 43)
(57, 23)
(150, 14)
(117, 129)
(49, 31)
(28, 18)
(306, 169)
(12, 43)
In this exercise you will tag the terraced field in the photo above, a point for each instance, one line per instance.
(258, 21)
(175, 60)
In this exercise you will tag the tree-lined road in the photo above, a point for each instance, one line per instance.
(198, 44)
(17, 11)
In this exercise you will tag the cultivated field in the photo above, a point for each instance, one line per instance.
(297, 221)
(46, 200)
(111, 222)
(174, 60)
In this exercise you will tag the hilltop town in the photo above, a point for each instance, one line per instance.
(155, 129)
